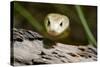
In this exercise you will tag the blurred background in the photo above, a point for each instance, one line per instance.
(40, 10)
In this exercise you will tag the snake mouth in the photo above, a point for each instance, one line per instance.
(53, 33)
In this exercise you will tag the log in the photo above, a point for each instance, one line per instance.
(27, 48)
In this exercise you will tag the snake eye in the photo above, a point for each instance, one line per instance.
(61, 24)
(48, 23)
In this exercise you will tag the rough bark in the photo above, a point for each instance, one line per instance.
(27, 48)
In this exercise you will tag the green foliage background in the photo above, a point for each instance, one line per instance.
(83, 19)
